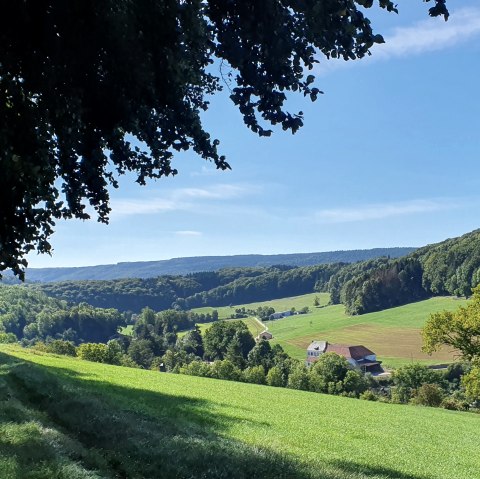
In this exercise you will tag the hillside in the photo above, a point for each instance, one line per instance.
(394, 334)
(215, 288)
(67, 418)
(181, 266)
(451, 267)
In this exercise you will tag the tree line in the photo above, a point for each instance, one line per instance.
(211, 288)
(451, 267)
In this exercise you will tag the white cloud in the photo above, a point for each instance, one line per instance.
(428, 35)
(216, 191)
(381, 211)
(188, 233)
(141, 207)
(181, 199)
(206, 171)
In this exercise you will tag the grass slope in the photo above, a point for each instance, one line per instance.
(65, 418)
(394, 334)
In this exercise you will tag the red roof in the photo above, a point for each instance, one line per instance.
(353, 352)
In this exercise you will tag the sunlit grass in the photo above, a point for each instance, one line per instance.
(316, 435)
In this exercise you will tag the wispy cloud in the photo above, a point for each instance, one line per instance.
(188, 233)
(425, 36)
(216, 191)
(206, 171)
(186, 199)
(431, 35)
(381, 211)
(142, 207)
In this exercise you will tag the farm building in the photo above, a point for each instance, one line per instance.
(264, 335)
(359, 357)
(282, 314)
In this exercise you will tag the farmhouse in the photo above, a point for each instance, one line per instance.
(282, 314)
(359, 357)
(264, 335)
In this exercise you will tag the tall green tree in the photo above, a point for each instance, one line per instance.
(459, 329)
(92, 90)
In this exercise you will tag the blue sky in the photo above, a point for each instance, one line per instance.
(387, 157)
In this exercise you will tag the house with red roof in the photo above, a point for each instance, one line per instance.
(359, 357)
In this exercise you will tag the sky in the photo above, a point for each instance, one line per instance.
(388, 157)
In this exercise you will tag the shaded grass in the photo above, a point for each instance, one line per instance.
(141, 423)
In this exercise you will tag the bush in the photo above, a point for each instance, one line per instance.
(298, 378)
(454, 404)
(196, 368)
(471, 383)
(254, 375)
(354, 383)
(369, 396)
(275, 377)
(8, 338)
(58, 346)
(96, 352)
(429, 395)
(225, 370)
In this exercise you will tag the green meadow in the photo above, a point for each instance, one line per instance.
(66, 418)
(394, 334)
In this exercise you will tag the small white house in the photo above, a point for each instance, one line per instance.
(359, 357)
(282, 314)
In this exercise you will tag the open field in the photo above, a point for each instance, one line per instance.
(394, 334)
(133, 423)
(283, 304)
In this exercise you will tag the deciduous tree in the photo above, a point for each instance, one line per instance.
(92, 90)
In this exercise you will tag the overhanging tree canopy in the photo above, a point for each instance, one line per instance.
(80, 81)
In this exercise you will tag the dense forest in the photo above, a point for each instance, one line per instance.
(183, 266)
(31, 316)
(219, 288)
(451, 267)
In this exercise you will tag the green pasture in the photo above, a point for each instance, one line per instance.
(394, 334)
(253, 325)
(66, 418)
(283, 304)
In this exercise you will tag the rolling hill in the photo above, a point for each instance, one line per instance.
(180, 266)
(394, 334)
(71, 419)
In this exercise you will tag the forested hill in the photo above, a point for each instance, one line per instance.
(209, 288)
(181, 266)
(451, 267)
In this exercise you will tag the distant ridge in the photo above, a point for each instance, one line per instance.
(180, 266)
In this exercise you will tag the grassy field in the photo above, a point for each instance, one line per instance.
(283, 304)
(66, 418)
(394, 334)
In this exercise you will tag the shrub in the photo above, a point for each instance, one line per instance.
(298, 378)
(96, 352)
(471, 383)
(369, 396)
(354, 383)
(196, 368)
(454, 404)
(59, 346)
(225, 369)
(6, 338)
(429, 395)
(275, 377)
(254, 375)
